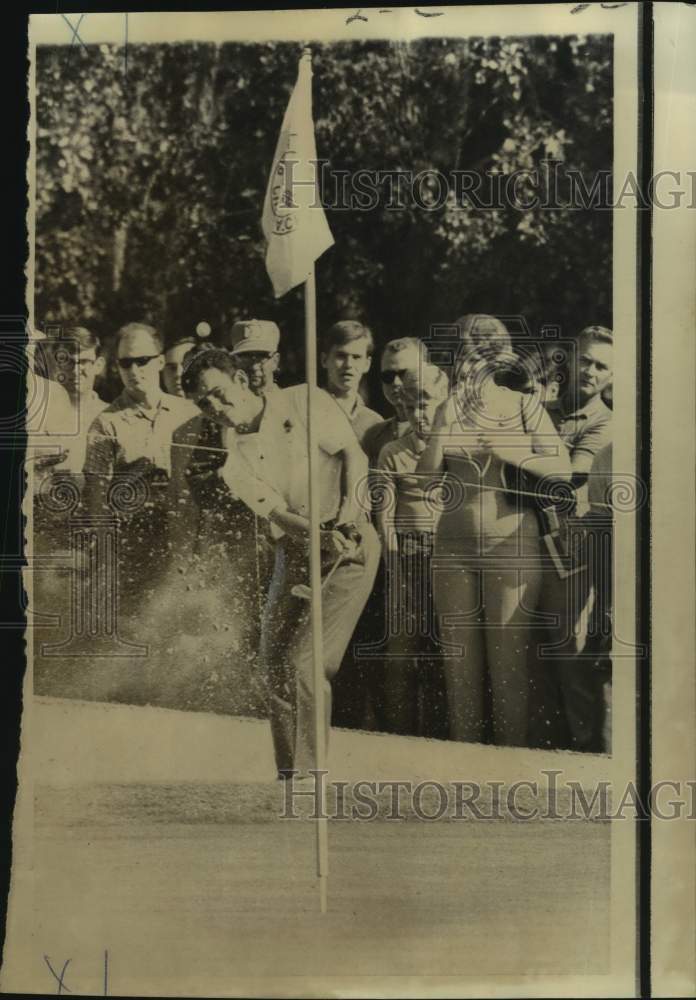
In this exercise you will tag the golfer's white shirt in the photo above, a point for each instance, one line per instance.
(269, 469)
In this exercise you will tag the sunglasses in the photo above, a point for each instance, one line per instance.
(139, 362)
(389, 377)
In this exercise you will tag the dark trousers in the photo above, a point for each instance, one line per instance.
(415, 692)
(569, 676)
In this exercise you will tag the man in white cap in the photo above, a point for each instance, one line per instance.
(253, 344)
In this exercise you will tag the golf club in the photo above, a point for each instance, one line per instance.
(305, 592)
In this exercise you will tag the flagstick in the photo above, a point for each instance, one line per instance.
(315, 585)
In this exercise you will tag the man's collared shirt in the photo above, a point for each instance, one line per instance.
(52, 425)
(381, 433)
(125, 432)
(588, 428)
(361, 417)
(269, 469)
(87, 410)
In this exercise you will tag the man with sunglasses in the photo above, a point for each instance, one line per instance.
(128, 461)
(407, 354)
(359, 702)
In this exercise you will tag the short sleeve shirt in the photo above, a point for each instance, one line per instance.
(87, 411)
(124, 432)
(270, 468)
(398, 460)
(379, 434)
(362, 418)
(586, 429)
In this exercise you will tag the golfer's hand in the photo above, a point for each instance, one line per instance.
(204, 468)
(334, 544)
(141, 468)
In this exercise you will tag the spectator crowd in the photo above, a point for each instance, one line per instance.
(465, 535)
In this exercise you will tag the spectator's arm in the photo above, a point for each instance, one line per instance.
(583, 454)
(433, 458)
(354, 481)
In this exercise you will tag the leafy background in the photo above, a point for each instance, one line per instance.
(150, 183)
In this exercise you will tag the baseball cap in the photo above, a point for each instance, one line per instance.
(254, 335)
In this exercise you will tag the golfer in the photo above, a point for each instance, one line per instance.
(267, 468)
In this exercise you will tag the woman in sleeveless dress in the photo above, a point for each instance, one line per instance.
(487, 561)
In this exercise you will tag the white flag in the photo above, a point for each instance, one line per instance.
(293, 218)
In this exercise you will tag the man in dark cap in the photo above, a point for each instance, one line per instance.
(253, 344)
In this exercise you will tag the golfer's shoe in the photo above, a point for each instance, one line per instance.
(297, 777)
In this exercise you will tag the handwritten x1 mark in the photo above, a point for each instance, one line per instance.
(358, 16)
(75, 28)
(58, 979)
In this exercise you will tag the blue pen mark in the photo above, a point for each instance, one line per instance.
(76, 37)
(75, 28)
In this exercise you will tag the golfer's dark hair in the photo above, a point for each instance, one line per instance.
(199, 359)
(129, 328)
(347, 331)
(179, 340)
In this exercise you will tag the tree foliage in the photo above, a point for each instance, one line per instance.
(150, 182)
